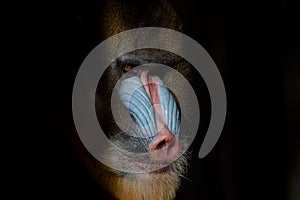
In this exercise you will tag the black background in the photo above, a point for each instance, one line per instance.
(255, 44)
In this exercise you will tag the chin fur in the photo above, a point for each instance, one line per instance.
(160, 184)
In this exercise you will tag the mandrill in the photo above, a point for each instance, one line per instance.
(155, 112)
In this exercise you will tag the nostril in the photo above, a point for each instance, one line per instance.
(161, 144)
(163, 140)
(165, 148)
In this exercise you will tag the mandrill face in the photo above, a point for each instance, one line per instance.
(142, 118)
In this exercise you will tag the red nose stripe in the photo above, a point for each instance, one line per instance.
(151, 86)
(161, 149)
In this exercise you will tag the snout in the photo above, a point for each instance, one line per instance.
(153, 108)
(165, 147)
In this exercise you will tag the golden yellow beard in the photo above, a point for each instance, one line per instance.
(161, 184)
(146, 186)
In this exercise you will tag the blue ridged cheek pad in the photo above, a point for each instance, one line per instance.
(136, 100)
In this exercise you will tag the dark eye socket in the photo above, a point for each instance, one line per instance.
(127, 67)
(127, 62)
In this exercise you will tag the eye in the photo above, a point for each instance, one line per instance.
(126, 64)
(126, 68)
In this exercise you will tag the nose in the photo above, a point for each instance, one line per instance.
(163, 139)
(165, 147)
